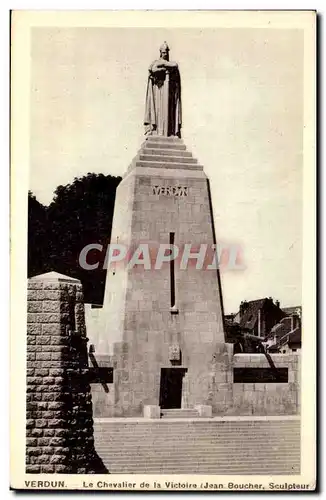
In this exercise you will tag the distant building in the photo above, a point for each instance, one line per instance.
(259, 316)
(297, 310)
(256, 317)
(286, 335)
(290, 342)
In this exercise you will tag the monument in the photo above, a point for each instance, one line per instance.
(158, 349)
(160, 325)
(161, 331)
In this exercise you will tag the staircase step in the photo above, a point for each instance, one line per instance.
(174, 165)
(248, 470)
(179, 413)
(184, 411)
(217, 454)
(164, 145)
(195, 429)
(174, 462)
(194, 437)
(167, 159)
(165, 152)
(162, 138)
(198, 446)
(193, 434)
(122, 423)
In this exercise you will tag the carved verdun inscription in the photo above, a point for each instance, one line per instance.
(171, 190)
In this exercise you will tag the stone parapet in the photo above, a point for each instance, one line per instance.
(152, 411)
(204, 411)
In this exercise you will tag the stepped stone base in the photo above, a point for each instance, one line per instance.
(163, 196)
(265, 446)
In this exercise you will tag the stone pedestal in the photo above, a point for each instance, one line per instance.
(204, 411)
(152, 411)
(59, 421)
(163, 198)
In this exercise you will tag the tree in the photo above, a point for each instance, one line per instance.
(80, 214)
(37, 237)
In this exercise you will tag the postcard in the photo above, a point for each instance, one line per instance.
(163, 231)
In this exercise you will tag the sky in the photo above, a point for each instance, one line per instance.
(242, 106)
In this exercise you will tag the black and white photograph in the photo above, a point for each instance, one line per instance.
(163, 230)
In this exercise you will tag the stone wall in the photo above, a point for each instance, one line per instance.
(93, 319)
(103, 390)
(59, 420)
(268, 398)
(209, 380)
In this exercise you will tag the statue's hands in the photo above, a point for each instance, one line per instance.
(161, 65)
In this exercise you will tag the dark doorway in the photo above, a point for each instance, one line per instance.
(171, 387)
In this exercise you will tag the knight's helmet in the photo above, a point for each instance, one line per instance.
(164, 47)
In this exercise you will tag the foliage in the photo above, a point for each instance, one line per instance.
(80, 214)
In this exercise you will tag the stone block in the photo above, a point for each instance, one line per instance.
(31, 348)
(58, 459)
(57, 441)
(43, 340)
(34, 432)
(53, 286)
(221, 377)
(43, 441)
(31, 441)
(60, 469)
(56, 423)
(33, 469)
(54, 306)
(34, 329)
(34, 451)
(259, 387)
(43, 356)
(56, 356)
(47, 469)
(41, 372)
(54, 329)
(204, 410)
(34, 380)
(34, 285)
(34, 306)
(152, 411)
(43, 318)
(48, 433)
(41, 423)
(56, 372)
(44, 295)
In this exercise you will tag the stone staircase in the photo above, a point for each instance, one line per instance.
(168, 151)
(265, 446)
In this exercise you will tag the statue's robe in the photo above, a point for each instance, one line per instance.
(155, 120)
